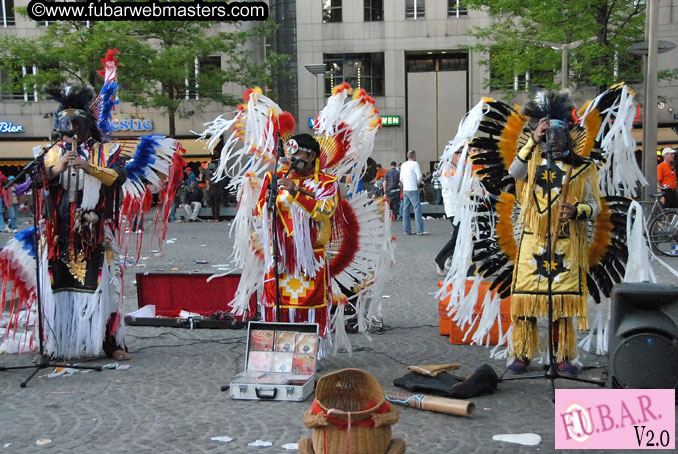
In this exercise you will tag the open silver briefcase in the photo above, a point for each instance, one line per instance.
(280, 362)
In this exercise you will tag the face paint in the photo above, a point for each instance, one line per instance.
(71, 123)
(559, 140)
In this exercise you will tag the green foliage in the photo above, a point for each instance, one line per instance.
(518, 28)
(155, 60)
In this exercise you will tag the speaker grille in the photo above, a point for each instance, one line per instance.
(645, 360)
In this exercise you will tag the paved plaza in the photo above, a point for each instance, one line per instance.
(169, 400)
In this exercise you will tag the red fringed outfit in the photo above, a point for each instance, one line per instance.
(304, 230)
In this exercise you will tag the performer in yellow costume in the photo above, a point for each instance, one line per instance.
(504, 221)
(529, 295)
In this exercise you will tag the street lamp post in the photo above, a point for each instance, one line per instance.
(650, 117)
(564, 48)
(650, 48)
(316, 69)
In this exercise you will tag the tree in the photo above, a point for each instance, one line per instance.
(518, 27)
(156, 60)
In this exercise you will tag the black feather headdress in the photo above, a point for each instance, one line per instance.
(557, 106)
(80, 97)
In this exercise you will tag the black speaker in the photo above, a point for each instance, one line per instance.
(643, 336)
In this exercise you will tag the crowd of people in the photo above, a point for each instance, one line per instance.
(14, 199)
(198, 191)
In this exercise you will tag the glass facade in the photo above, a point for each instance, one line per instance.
(364, 71)
(284, 41)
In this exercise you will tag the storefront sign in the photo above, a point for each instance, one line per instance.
(386, 120)
(10, 127)
(390, 120)
(132, 125)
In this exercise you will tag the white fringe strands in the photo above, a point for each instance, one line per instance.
(249, 238)
(153, 159)
(251, 144)
(619, 174)
(304, 258)
(465, 132)
(244, 224)
(368, 273)
(90, 193)
(114, 290)
(18, 269)
(638, 268)
(248, 151)
(358, 121)
(460, 306)
(75, 322)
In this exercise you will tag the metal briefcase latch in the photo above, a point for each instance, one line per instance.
(243, 389)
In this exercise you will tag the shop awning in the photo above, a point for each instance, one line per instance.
(196, 150)
(666, 137)
(20, 152)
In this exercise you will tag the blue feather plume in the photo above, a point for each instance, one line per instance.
(144, 157)
(107, 103)
(27, 240)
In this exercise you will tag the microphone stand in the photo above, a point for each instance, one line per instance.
(44, 361)
(551, 371)
(273, 209)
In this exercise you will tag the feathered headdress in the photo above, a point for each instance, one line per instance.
(75, 101)
(556, 106)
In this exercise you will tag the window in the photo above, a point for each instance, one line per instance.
(440, 61)
(523, 82)
(12, 88)
(456, 8)
(415, 9)
(364, 71)
(628, 68)
(374, 10)
(331, 11)
(198, 78)
(7, 13)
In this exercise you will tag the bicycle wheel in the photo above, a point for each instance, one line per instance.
(663, 232)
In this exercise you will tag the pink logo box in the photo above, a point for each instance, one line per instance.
(615, 418)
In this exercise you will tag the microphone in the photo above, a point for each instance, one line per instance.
(546, 147)
(280, 150)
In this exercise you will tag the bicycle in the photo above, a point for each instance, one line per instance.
(662, 227)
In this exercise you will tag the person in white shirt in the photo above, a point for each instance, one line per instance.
(410, 177)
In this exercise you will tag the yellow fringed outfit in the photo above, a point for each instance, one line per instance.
(529, 296)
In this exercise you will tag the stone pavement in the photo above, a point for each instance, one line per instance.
(169, 401)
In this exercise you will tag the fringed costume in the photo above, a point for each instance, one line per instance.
(92, 188)
(503, 227)
(304, 228)
(81, 286)
(529, 293)
(332, 251)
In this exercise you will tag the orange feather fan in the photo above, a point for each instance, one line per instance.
(508, 145)
(505, 238)
(602, 235)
